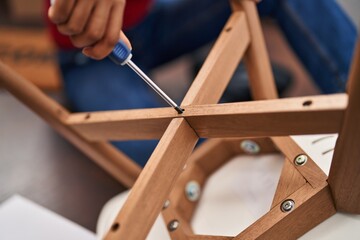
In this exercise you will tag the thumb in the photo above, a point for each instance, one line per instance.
(125, 39)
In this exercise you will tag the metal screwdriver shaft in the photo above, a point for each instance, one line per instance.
(154, 86)
(121, 55)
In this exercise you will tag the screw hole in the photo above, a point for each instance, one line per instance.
(87, 116)
(307, 103)
(228, 29)
(115, 227)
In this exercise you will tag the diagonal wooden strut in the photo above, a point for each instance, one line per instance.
(155, 182)
(105, 155)
(221, 63)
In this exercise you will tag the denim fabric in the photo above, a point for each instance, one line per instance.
(318, 30)
(323, 37)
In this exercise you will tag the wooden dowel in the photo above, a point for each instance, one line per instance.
(344, 176)
(105, 155)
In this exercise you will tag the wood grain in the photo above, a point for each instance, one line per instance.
(179, 201)
(220, 64)
(268, 118)
(184, 230)
(344, 177)
(105, 155)
(122, 125)
(211, 155)
(256, 58)
(265, 144)
(245, 119)
(312, 206)
(310, 171)
(155, 182)
(290, 181)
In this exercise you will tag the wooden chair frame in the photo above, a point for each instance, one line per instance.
(268, 122)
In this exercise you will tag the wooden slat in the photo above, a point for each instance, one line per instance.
(310, 171)
(123, 125)
(265, 144)
(344, 177)
(184, 230)
(245, 119)
(178, 199)
(105, 155)
(153, 186)
(290, 181)
(256, 57)
(268, 118)
(221, 63)
(312, 206)
(211, 155)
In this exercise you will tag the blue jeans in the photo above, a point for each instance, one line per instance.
(319, 32)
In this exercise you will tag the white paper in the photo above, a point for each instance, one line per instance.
(22, 219)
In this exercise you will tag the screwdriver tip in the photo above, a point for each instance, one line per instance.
(179, 109)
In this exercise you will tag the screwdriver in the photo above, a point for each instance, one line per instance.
(122, 55)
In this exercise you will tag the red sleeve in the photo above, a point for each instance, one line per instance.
(135, 11)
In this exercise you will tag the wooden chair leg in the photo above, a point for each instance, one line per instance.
(344, 177)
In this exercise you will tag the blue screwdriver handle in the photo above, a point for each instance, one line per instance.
(121, 54)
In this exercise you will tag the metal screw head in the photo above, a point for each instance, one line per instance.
(173, 225)
(301, 160)
(249, 146)
(287, 205)
(166, 204)
(193, 191)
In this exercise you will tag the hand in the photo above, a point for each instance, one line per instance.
(94, 25)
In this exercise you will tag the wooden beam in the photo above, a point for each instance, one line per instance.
(211, 155)
(245, 119)
(123, 125)
(265, 144)
(256, 58)
(183, 230)
(344, 177)
(221, 63)
(312, 206)
(290, 181)
(178, 198)
(105, 155)
(268, 118)
(310, 171)
(153, 186)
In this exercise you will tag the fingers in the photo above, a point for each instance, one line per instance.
(78, 19)
(91, 24)
(96, 26)
(103, 47)
(60, 11)
(125, 39)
